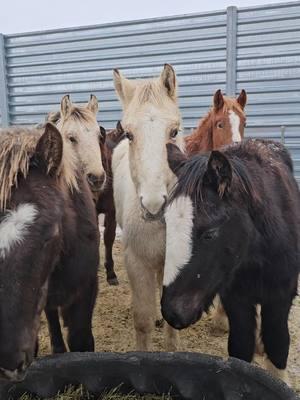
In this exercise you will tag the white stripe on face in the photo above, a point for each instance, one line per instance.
(179, 225)
(235, 126)
(14, 226)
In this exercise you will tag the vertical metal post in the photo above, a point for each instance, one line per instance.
(4, 107)
(282, 132)
(231, 47)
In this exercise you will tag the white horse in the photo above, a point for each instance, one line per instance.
(142, 182)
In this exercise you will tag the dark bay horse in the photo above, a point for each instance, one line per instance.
(233, 228)
(31, 219)
(105, 200)
(224, 124)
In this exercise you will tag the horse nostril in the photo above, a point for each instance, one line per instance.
(96, 181)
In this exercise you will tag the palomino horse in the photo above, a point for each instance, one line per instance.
(228, 209)
(224, 124)
(142, 181)
(80, 124)
(73, 285)
(105, 202)
(32, 184)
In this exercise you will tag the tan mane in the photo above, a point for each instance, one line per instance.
(17, 146)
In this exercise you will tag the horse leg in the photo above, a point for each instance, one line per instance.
(219, 318)
(109, 238)
(78, 319)
(56, 338)
(276, 337)
(159, 322)
(171, 334)
(142, 282)
(242, 325)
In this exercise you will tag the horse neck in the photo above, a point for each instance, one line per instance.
(200, 140)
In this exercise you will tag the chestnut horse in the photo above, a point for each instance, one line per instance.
(224, 124)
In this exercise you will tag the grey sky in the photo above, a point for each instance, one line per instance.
(30, 15)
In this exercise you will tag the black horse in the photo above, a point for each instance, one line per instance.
(233, 228)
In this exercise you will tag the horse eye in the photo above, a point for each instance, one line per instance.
(211, 234)
(72, 139)
(220, 125)
(129, 136)
(173, 133)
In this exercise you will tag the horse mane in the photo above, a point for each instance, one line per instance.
(17, 146)
(192, 178)
(201, 138)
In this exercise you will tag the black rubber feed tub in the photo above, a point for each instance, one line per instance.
(183, 375)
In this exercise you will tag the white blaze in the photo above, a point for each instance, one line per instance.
(179, 225)
(235, 126)
(14, 226)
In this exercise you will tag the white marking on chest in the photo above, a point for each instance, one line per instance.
(179, 225)
(235, 126)
(14, 226)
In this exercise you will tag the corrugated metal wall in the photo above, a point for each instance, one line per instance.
(268, 66)
(253, 48)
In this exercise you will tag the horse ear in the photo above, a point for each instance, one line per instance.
(176, 158)
(169, 80)
(124, 87)
(93, 104)
(53, 117)
(49, 150)
(102, 134)
(218, 172)
(119, 128)
(65, 106)
(218, 100)
(242, 98)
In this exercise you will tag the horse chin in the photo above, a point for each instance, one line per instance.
(148, 217)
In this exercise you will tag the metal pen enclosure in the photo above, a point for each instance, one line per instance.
(255, 48)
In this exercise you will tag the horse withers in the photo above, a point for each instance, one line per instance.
(233, 228)
(31, 217)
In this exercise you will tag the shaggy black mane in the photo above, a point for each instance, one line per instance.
(192, 178)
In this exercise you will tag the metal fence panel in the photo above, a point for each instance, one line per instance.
(255, 48)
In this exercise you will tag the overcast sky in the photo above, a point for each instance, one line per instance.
(30, 15)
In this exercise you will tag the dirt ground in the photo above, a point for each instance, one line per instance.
(113, 325)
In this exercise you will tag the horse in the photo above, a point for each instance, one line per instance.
(141, 184)
(233, 228)
(224, 124)
(73, 284)
(78, 125)
(32, 182)
(85, 127)
(105, 200)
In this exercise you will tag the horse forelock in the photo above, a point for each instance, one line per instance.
(191, 179)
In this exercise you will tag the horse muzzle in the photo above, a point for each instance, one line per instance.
(96, 183)
(149, 216)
